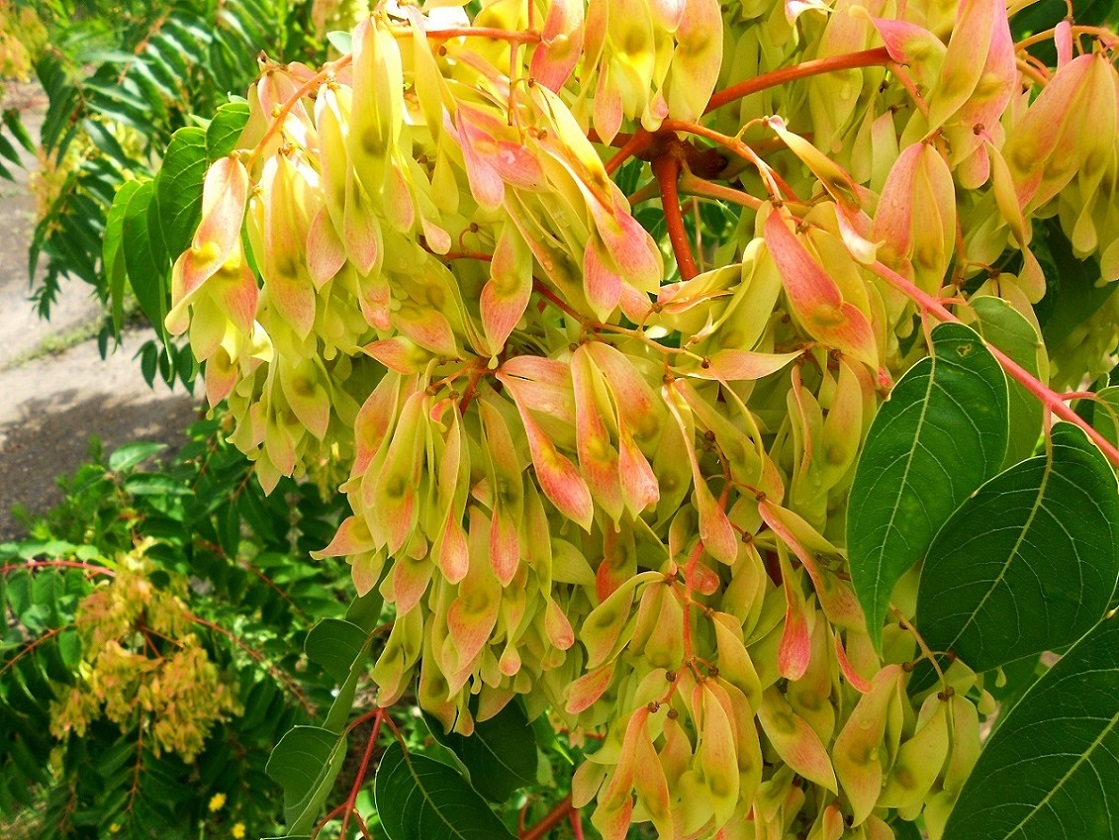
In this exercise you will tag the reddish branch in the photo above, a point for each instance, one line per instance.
(1053, 401)
(666, 168)
(308, 87)
(553, 818)
(848, 61)
(512, 37)
(257, 656)
(350, 806)
(57, 564)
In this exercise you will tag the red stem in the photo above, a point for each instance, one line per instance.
(1050, 399)
(66, 564)
(666, 168)
(355, 788)
(285, 109)
(689, 573)
(847, 61)
(258, 657)
(550, 821)
(555, 300)
(33, 645)
(577, 824)
(513, 37)
(774, 184)
(635, 145)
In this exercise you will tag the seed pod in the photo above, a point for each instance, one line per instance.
(919, 759)
(857, 752)
(795, 741)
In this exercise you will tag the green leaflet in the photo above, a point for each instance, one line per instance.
(335, 644)
(1052, 768)
(421, 799)
(145, 256)
(1029, 562)
(1002, 326)
(341, 647)
(941, 434)
(133, 454)
(112, 256)
(500, 755)
(225, 129)
(306, 763)
(178, 188)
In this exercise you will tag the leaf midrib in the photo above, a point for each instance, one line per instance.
(1037, 505)
(905, 477)
(1061, 782)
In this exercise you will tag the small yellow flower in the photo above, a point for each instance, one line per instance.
(216, 801)
(114, 828)
(238, 831)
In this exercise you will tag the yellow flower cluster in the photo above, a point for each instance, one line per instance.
(142, 666)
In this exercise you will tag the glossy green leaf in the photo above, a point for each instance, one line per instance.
(1029, 562)
(179, 188)
(112, 257)
(132, 454)
(225, 128)
(335, 645)
(365, 611)
(941, 434)
(1105, 413)
(305, 764)
(144, 257)
(501, 754)
(1002, 326)
(421, 799)
(1051, 769)
(341, 646)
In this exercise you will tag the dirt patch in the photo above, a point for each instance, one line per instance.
(53, 404)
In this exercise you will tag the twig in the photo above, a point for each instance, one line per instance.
(1049, 398)
(550, 820)
(666, 169)
(848, 61)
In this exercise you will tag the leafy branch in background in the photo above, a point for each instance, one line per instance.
(119, 81)
(108, 634)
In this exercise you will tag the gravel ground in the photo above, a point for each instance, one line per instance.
(53, 403)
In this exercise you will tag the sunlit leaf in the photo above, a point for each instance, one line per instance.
(178, 187)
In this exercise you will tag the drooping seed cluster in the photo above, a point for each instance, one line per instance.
(616, 493)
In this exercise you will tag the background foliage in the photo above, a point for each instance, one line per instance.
(120, 78)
